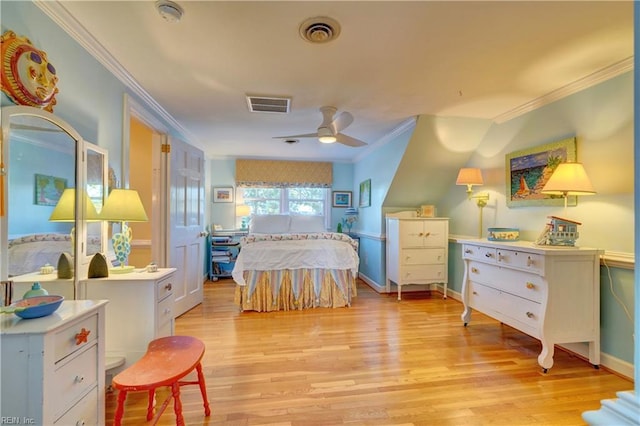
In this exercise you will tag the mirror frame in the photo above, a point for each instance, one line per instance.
(13, 111)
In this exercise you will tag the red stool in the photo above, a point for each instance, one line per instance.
(167, 360)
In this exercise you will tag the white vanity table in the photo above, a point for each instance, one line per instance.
(548, 292)
(140, 309)
(52, 370)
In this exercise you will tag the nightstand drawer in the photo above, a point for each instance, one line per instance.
(75, 336)
(520, 259)
(164, 325)
(523, 284)
(164, 288)
(484, 254)
(417, 274)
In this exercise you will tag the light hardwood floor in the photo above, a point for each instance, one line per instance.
(379, 362)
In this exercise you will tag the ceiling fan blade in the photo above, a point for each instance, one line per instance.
(306, 135)
(342, 121)
(349, 141)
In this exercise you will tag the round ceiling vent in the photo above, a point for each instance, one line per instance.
(291, 141)
(320, 29)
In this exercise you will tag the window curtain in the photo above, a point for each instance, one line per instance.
(283, 174)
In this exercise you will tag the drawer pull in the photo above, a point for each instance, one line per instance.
(468, 251)
(420, 234)
(474, 270)
(81, 337)
(530, 314)
(529, 261)
(489, 255)
(475, 293)
(531, 286)
(79, 379)
(168, 287)
(427, 234)
(81, 423)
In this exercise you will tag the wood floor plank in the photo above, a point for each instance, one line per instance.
(379, 362)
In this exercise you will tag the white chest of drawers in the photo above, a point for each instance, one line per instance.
(140, 309)
(52, 370)
(550, 293)
(417, 251)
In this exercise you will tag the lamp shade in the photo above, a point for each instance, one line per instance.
(469, 176)
(123, 205)
(569, 179)
(243, 210)
(65, 210)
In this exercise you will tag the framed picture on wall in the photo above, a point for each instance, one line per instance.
(527, 172)
(223, 194)
(48, 189)
(365, 193)
(341, 198)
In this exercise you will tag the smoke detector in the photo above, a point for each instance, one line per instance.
(320, 29)
(170, 11)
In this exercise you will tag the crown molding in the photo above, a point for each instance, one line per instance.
(406, 125)
(60, 15)
(581, 84)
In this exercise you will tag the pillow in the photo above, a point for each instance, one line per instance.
(303, 224)
(269, 224)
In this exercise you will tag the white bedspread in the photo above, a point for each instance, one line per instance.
(295, 254)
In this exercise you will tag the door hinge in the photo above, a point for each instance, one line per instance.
(166, 148)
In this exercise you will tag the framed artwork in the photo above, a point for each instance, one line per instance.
(527, 172)
(48, 189)
(341, 198)
(427, 210)
(223, 194)
(365, 193)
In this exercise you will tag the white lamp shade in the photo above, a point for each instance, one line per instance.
(65, 210)
(123, 205)
(469, 176)
(569, 179)
(243, 210)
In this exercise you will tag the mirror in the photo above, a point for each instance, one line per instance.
(96, 192)
(40, 153)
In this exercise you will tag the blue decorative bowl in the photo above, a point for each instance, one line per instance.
(503, 234)
(37, 306)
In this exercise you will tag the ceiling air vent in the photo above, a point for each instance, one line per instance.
(320, 29)
(265, 104)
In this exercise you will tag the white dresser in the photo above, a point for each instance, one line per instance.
(417, 251)
(140, 309)
(550, 293)
(53, 367)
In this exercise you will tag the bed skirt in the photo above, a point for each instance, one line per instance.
(298, 289)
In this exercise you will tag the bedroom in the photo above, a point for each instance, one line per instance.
(410, 178)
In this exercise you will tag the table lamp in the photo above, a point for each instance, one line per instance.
(242, 211)
(123, 205)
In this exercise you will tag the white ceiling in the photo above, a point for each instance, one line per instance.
(392, 61)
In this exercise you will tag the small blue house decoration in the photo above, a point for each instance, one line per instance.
(562, 232)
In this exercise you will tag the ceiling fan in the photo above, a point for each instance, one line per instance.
(329, 130)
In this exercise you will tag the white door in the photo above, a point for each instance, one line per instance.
(186, 224)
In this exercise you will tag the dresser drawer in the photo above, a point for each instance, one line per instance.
(74, 378)
(165, 318)
(523, 284)
(435, 233)
(70, 339)
(417, 256)
(485, 254)
(164, 287)
(521, 259)
(512, 310)
(85, 412)
(417, 274)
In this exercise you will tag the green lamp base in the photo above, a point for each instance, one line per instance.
(122, 269)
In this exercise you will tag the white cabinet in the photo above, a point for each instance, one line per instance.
(417, 251)
(140, 309)
(53, 367)
(550, 293)
(50, 282)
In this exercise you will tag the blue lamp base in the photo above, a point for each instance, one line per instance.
(122, 247)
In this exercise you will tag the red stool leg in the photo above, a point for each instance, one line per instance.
(122, 395)
(177, 404)
(203, 390)
(151, 404)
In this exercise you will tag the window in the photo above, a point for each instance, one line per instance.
(310, 201)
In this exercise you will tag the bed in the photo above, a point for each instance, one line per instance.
(292, 263)
(28, 253)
